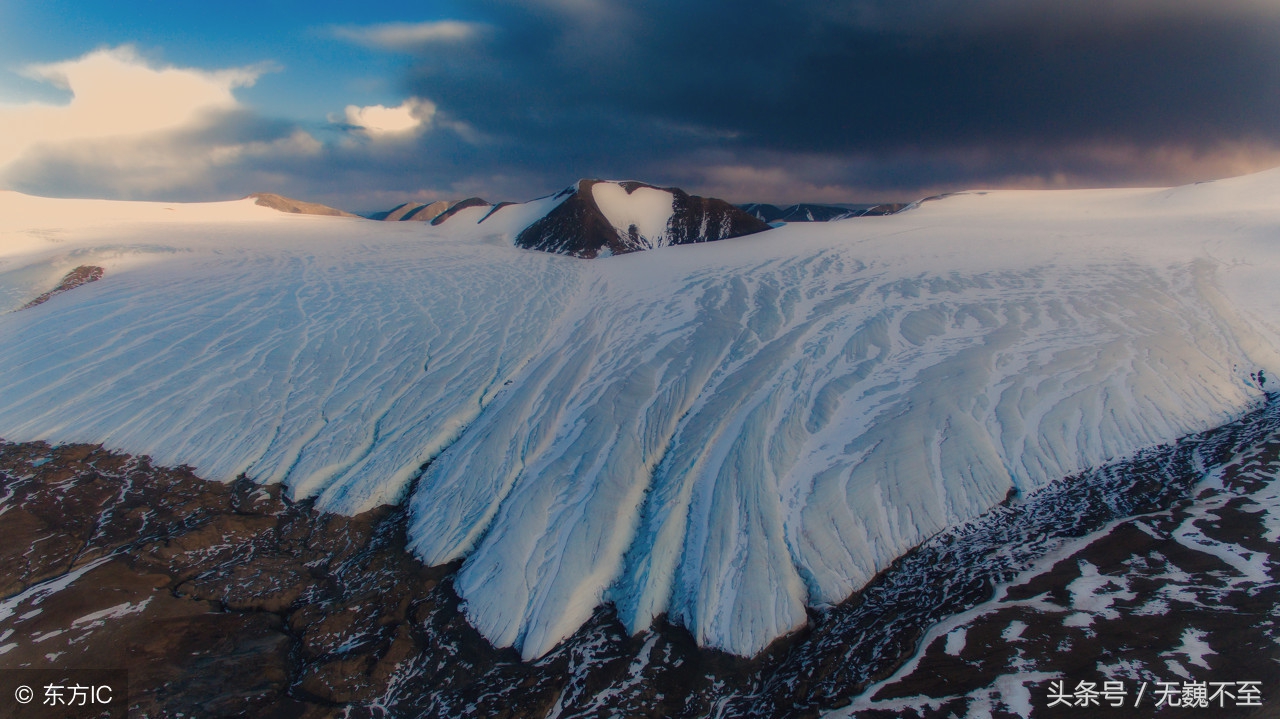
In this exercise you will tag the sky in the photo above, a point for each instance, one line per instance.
(365, 105)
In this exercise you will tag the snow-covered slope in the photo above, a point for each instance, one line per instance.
(724, 433)
(642, 214)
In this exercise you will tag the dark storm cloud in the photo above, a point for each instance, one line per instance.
(762, 100)
(953, 92)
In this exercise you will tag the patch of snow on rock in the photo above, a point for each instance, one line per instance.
(646, 209)
(1194, 648)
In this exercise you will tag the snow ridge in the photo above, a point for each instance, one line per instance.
(599, 218)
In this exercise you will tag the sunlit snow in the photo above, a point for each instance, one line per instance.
(645, 211)
(724, 433)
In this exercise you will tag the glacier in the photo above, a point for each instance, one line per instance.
(725, 433)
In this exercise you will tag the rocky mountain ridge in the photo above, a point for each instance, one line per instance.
(617, 218)
(600, 218)
(809, 212)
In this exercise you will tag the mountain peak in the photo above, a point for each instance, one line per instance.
(604, 217)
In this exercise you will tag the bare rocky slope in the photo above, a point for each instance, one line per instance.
(575, 222)
(228, 600)
(579, 226)
(415, 211)
(82, 275)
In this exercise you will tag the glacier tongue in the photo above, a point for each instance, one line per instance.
(723, 433)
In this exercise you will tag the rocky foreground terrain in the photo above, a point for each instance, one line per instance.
(230, 600)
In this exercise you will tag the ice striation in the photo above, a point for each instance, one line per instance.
(723, 433)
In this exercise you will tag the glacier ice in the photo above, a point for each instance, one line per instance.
(723, 433)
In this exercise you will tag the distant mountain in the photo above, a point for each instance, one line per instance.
(808, 212)
(457, 207)
(586, 222)
(594, 218)
(297, 207)
(428, 212)
(415, 211)
(598, 218)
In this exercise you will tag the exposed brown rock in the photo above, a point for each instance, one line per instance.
(427, 213)
(204, 579)
(398, 212)
(82, 275)
(413, 211)
(297, 207)
(579, 228)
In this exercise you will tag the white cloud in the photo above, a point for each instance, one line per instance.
(115, 94)
(380, 121)
(133, 129)
(403, 36)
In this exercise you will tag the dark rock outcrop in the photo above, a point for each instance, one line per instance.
(578, 227)
(428, 212)
(82, 275)
(707, 219)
